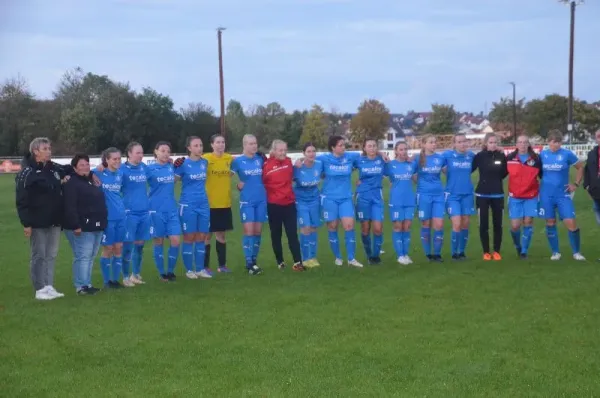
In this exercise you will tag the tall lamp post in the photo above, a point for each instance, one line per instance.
(573, 6)
(514, 109)
(221, 83)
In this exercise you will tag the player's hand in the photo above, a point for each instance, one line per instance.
(240, 186)
(27, 232)
(96, 180)
(77, 232)
(571, 188)
(64, 180)
(178, 162)
(298, 163)
(101, 167)
(385, 157)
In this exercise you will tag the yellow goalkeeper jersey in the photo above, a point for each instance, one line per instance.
(218, 180)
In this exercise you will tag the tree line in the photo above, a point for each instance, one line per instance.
(89, 112)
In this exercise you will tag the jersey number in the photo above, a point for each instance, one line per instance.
(360, 214)
(185, 226)
(396, 214)
(325, 215)
(421, 214)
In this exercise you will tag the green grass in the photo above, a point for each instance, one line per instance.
(507, 329)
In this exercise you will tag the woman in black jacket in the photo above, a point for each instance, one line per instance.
(85, 218)
(591, 177)
(492, 166)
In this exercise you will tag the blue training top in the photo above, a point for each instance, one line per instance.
(555, 177)
(161, 178)
(459, 169)
(135, 187)
(429, 176)
(400, 175)
(193, 182)
(307, 180)
(112, 181)
(249, 171)
(337, 172)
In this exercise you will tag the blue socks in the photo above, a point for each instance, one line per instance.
(456, 242)
(159, 259)
(334, 243)
(105, 268)
(397, 240)
(462, 247)
(313, 244)
(350, 240)
(552, 236)
(248, 245)
(526, 239)
(438, 242)
(575, 240)
(127, 257)
(173, 255)
(187, 253)
(199, 251)
(366, 240)
(426, 240)
(256, 242)
(136, 260)
(516, 237)
(117, 267)
(377, 242)
(305, 246)
(406, 242)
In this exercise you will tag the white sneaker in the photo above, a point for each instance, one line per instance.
(204, 274)
(137, 279)
(578, 257)
(381, 251)
(339, 262)
(354, 263)
(402, 260)
(191, 275)
(53, 292)
(43, 294)
(555, 257)
(408, 260)
(127, 282)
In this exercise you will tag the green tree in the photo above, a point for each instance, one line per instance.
(198, 120)
(442, 120)
(236, 125)
(371, 121)
(16, 104)
(156, 120)
(267, 123)
(315, 127)
(501, 115)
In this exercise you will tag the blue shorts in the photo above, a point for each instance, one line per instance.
(253, 212)
(138, 227)
(114, 233)
(336, 209)
(520, 208)
(369, 206)
(308, 214)
(401, 213)
(430, 206)
(194, 219)
(460, 205)
(550, 205)
(165, 224)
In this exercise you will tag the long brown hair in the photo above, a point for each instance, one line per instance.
(422, 155)
(530, 150)
(364, 152)
(486, 139)
(396, 147)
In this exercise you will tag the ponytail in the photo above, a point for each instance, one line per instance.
(532, 153)
(422, 158)
(106, 154)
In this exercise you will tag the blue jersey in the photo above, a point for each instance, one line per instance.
(370, 173)
(429, 175)
(524, 158)
(459, 169)
(161, 178)
(193, 181)
(307, 180)
(249, 171)
(135, 188)
(555, 177)
(400, 175)
(337, 172)
(112, 181)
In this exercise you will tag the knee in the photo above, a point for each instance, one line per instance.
(174, 240)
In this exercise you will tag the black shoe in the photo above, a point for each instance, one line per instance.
(456, 257)
(164, 278)
(281, 265)
(92, 290)
(171, 277)
(298, 267)
(115, 285)
(523, 256)
(254, 270)
(430, 257)
(437, 259)
(83, 291)
(462, 256)
(375, 260)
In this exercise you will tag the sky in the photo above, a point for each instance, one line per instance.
(336, 53)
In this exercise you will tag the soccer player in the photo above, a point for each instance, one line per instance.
(460, 201)
(556, 193)
(163, 210)
(307, 178)
(278, 173)
(591, 181)
(253, 200)
(336, 197)
(137, 207)
(111, 260)
(524, 171)
(194, 210)
(401, 171)
(491, 163)
(369, 199)
(218, 188)
(430, 197)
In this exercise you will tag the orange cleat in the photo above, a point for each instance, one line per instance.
(487, 257)
(497, 256)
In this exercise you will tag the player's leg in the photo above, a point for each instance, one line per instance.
(276, 227)
(516, 213)
(363, 216)
(377, 228)
(303, 220)
(409, 213)
(548, 212)
(173, 233)
(330, 216)
(530, 211)
(566, 212)
(203, 217)
(346, 213)
(497, 206)
(108, 239)
(247, 219)
(453, 208)
(483, 206)
(468, 210)
(437, 221)
(315, 223)
(425, 208)
(290, 224)
(189, 225)
(131, 222)
(260, 217)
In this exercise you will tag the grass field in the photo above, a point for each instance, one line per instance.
(508, 329)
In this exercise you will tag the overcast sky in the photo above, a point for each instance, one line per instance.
(299, 52)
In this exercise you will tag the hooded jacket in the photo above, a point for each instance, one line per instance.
(277, 179)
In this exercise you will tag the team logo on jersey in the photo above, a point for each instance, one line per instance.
(378, 162)
(559, 158)
(56, 175)
(118, 179)
(316, 173)
(257, 162)
(531, 162)
(436, 161)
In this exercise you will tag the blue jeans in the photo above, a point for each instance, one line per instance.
(597, 210)
(85, 248)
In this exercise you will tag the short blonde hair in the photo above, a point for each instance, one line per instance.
(247, 137)
(276, 143)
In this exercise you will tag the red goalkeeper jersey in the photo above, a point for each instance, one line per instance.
(523, 179)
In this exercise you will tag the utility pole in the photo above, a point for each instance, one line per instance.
(514, 109)
(221, 83)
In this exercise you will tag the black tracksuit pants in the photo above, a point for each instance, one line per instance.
(284, 217)
(496, 205)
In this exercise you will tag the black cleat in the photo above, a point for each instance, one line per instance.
(254, 270)
(164, 278)
(430, 257)
(456, 257)
(523, 256)
(171, 277)
(375, 260)
(462, 256)
(281, 265)
(437, 259)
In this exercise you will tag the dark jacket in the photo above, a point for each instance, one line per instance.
(492, 171)
(85, 206)
(591, 177)
(39, 193)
